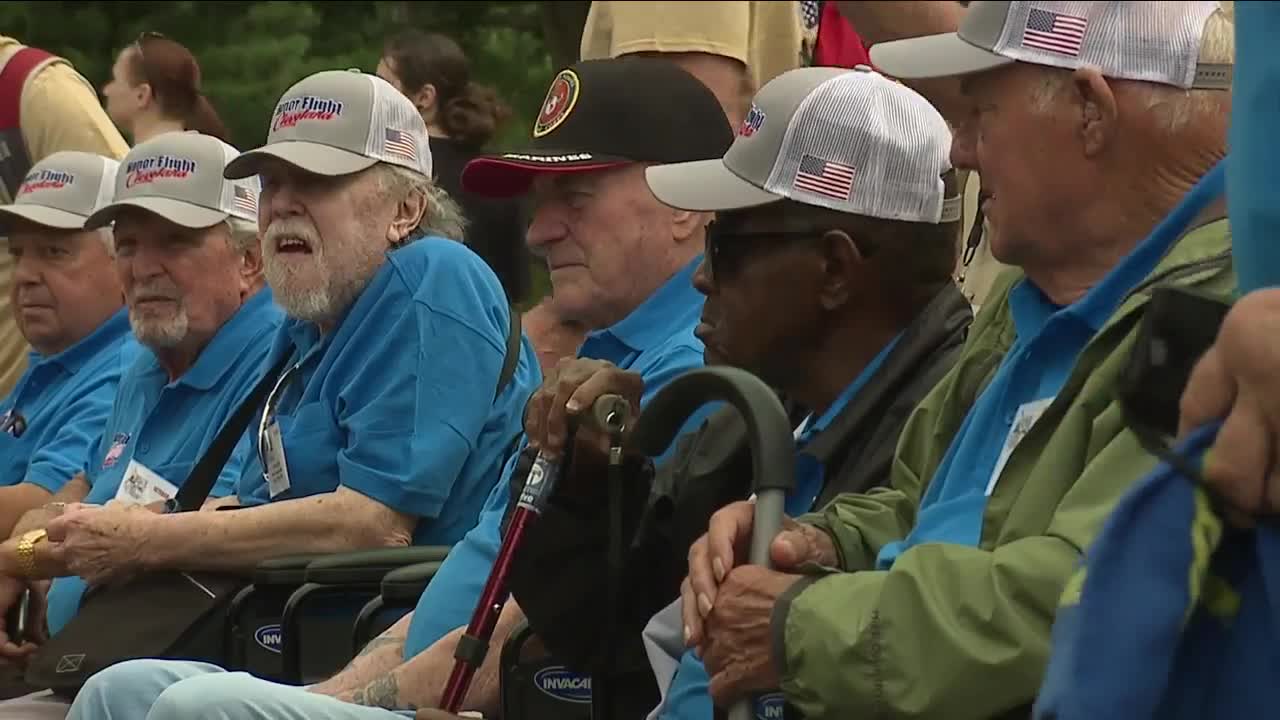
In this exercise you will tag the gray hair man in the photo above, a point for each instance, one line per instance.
(66, 301)
(187, 259)
(407, 378)
(1098, 129)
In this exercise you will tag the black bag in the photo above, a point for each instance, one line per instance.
(169, 614)
(173, 615)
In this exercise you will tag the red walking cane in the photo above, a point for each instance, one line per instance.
(611, 413)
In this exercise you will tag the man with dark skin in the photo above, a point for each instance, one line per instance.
(837, 295)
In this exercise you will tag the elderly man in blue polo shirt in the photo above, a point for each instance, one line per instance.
(386, 428)
(188, 259)
(622, 262)
(69, 307)
(393, 419)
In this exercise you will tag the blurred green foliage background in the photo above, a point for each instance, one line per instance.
(250, 52)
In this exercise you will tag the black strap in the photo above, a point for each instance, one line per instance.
(974, 240)
(513, 353)
(195, 490)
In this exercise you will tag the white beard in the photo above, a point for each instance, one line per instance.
(158, 333)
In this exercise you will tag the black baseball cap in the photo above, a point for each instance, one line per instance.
(604, 113)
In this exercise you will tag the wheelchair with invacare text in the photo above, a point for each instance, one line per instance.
(302, 618)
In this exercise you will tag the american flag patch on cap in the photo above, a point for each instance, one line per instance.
(824, 177)
(243, 200)
(1054, 32)
(401, 143)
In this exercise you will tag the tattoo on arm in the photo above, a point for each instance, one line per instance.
(374, 645)
(380, 642)
(382, 693)
(380, 655)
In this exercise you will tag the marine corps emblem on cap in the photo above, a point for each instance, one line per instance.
(561, 97)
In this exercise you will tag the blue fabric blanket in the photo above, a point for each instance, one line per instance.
(1172, 614)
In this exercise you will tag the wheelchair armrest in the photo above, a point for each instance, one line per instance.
(403, 587)
(368, 567)
(288, 570)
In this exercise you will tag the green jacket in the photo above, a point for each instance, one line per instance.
(960, 632)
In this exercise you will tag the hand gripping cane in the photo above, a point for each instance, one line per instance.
(610, 413)
(769, 435)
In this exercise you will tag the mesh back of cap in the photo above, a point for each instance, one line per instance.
(397, 133)
(861, 132)
(1147, 41)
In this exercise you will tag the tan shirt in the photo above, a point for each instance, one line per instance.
(59, 111)
(765, 36)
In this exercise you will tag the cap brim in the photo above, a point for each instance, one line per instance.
(42, 215)
(311, 157)
(175, 211)
(500, 176)
(704, 186)
(933, 56)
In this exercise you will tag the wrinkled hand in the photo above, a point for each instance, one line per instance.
(724, 547)
(738, 650)
(568, 392)
(1238, 381)
(103, 544)
(11, 590)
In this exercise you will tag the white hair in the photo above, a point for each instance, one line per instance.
(108, 238)
(443, 215)
(243, 233)
(1173, 107)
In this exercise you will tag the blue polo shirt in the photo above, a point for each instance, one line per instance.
(397, 402)
(656, 340)
(688, 697)
(1049, 339)
(56, 412)
(1251, 179)
(167, 426)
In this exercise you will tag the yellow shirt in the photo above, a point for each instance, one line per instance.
(59, 111)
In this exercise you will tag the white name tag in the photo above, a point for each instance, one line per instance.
(1026, 417)
(276, 470)
(142, 486)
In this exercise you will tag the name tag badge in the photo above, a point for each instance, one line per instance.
(142, 486)
(1026, 417)
(276, 470)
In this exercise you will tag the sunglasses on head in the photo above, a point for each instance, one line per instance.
(144, 36)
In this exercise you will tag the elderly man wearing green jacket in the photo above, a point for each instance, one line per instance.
(1100, 131)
